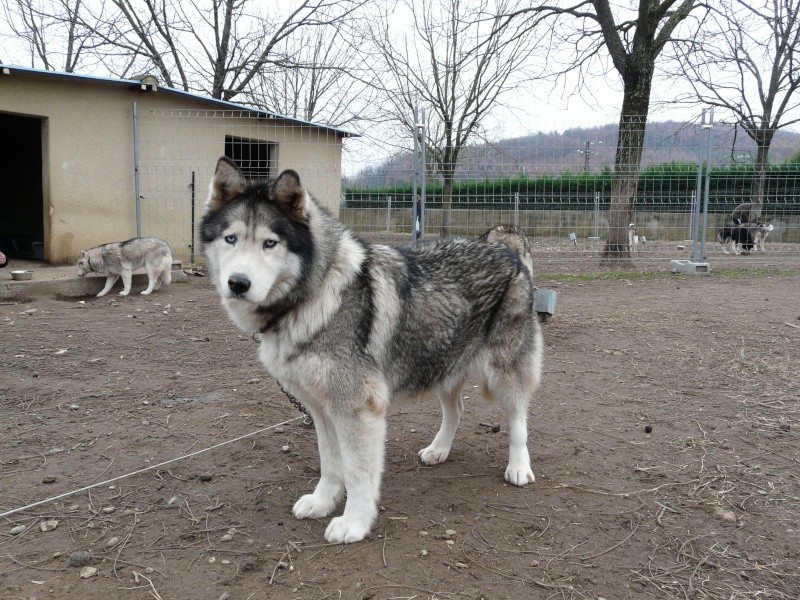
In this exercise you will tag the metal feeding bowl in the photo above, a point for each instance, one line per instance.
(22, 275)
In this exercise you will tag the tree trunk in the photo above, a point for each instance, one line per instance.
(637, 80)
(447, 205)
(763, 139)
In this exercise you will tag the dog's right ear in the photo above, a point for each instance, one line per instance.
(227, 183)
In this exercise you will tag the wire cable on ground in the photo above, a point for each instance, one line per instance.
(150, 468)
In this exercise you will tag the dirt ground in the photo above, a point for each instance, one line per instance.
(664, 441)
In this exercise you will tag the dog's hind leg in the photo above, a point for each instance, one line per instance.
(110, 281)
(514, 398)
(127, 274)
(452, 408)
(330, 487)
(152, 280)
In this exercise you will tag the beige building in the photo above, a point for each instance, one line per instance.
(88, 160)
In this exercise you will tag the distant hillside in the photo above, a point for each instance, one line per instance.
(556, 153)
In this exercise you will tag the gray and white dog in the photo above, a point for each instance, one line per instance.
(349, 328)
(121, 259)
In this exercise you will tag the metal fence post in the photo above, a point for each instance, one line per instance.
(137, 182)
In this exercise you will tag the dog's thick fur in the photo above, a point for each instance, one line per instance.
(349, 328)
(121, 259)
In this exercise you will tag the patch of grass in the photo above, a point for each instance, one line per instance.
(753, 272)
(605, 276)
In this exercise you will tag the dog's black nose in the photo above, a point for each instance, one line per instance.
(238, 283)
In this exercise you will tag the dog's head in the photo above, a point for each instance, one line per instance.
(256, 235)
(84, 266)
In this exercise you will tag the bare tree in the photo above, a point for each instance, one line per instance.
(748, 63)
(220, 46)
(52, 32)
(633, 39)
(320, 79)
(460, 59)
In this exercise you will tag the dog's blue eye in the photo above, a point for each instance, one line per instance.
(231, 239)
(269, 244)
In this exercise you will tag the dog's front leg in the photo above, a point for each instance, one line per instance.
(330, 487)
(110, 281)
(361, 436)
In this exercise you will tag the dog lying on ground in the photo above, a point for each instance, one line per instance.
(349, 328)
(121, 259)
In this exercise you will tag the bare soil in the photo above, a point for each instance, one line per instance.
(664, 441)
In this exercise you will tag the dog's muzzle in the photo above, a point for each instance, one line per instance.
(238, 283)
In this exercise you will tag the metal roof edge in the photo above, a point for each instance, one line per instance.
(6, 70)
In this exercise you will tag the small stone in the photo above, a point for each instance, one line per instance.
(74, 407)
(450, 533)
(112, 542)
(461, 565)
(725, 514)
(226, 538)
(48, 525)
(49, 479)
(785, 427)
(423, 553)
(279, 430)
(284, 448)
(205, 477)
(87, 572)
(212, 560)
(423, 533)
(148, 570)
(449, 542)
(495, 428)
(18, 529)
(108, 509)
(648, 429)
(79, 558)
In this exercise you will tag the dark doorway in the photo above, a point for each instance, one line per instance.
(21, 202)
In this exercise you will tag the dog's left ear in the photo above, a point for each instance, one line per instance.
(290, 195)
(227, 183)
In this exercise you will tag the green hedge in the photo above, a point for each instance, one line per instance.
(661, 187)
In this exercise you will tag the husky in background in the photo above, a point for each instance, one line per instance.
(349, 328)
(117, 259)
(766, 229)
(736, 234)
(514, 237)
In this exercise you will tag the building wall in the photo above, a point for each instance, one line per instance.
(88, 159)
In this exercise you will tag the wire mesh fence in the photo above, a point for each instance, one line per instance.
(178, 152)
(557, 187)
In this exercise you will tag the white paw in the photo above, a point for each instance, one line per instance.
(144, 292)
(346, 531)
(312, 507)
(101, 294)
(433, 455)
(519, 475)
(123, 293)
